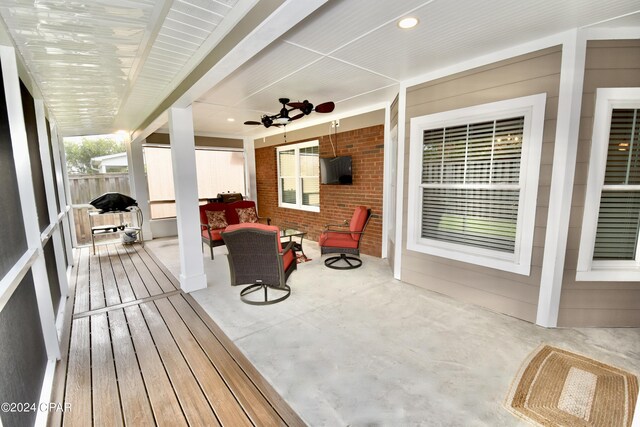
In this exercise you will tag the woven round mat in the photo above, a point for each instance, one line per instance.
(558, 388)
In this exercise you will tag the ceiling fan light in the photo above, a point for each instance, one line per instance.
(281, 120)
(408, 22)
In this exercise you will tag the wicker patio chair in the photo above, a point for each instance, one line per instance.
(256, 257)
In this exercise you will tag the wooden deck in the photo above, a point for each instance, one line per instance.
(139, 352)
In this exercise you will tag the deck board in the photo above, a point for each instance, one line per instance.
(104, 383)
(162, 397)
(223, 402)
(136, 410)
(137, 284)
(78, 390)
(96, 290)
(120, 275)
(138, 351)
(111, 291)
(194, 404)
(251, 399)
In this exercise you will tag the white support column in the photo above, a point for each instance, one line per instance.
(183, 156)
(49, 182)
(27, 199)
(402, 109)
(61, 173)
(386, 179)
(251, 186)
(139, 185)
(562, 174)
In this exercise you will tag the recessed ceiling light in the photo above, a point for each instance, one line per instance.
(408, 22)
(231, 119)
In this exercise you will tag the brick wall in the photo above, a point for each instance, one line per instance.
(337, 202)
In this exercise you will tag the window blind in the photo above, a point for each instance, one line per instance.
(310, 175)
(619, 213)
(470, 183)
(288, 184)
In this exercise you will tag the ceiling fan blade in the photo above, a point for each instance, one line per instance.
(251, 122)
(326, 107)
(296, 105)
(296, 117)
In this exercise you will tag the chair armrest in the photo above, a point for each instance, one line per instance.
(208, 228)
(344, 224)
(343, 232)
(265, 218)
(288, 247)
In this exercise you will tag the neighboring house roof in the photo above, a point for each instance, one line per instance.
(114, 160)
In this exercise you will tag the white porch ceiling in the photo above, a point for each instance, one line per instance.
(107, 64)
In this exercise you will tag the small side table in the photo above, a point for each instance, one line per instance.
(291, 233)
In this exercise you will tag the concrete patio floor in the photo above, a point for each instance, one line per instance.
(360, 348)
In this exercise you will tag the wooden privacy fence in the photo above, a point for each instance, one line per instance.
(83, 189)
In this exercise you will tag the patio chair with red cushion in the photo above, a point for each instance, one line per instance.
(344, 239)
(257, 258)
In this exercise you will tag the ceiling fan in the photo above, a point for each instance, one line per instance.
(283, 118)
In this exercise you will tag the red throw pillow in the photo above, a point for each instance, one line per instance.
(247, 215)
(217, 219)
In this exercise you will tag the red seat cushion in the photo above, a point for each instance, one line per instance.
(358, 220)
(215, 234)
(288, 257)
(338, 240)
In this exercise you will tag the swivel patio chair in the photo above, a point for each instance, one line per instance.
(344, 239)
(257, 258)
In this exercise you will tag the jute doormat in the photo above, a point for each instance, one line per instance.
(558, 388)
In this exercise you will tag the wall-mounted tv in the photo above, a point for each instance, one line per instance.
(336, 170)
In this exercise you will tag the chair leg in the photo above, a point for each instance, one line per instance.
(211, 248)
(352, 262)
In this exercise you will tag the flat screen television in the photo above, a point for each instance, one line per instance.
(336, 170)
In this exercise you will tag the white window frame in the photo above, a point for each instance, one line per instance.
(589, 269)
(296, 147)
(533, 109)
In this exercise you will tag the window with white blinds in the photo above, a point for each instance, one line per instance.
(299, 176)
(470, 183)
(473, 180)
(611, 220)
(619, 213)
